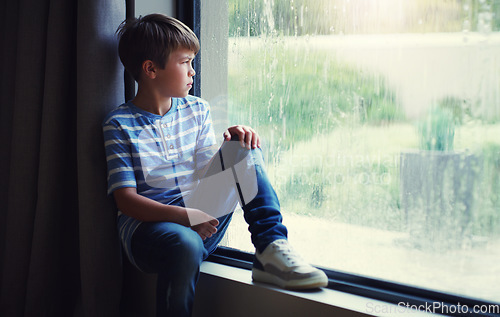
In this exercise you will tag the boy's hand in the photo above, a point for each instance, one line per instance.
(205, 229)
(248, 137)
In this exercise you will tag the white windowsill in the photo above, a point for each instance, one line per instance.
(221, 287)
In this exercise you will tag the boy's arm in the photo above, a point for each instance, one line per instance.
(144, 209)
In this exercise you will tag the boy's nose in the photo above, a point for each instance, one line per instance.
(191, 72)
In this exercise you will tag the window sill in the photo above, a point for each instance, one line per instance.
(228, 291)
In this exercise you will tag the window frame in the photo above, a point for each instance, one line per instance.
(389, 292)
(191, 13)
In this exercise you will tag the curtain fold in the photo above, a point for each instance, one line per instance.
(59, 251)
(100, 88)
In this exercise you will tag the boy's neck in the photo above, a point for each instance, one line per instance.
(152, 103)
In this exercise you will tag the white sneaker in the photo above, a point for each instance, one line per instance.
(278, 264)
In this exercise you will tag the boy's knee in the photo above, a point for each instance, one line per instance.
(233, 153)
(188, 247)
(258, 157)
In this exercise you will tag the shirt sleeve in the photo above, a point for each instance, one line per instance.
(119, 157)
(206, 145)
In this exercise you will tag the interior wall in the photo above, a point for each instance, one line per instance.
(221, 297)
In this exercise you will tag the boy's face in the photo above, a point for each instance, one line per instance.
(176, 79)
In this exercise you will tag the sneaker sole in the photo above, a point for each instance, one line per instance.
(310, 283)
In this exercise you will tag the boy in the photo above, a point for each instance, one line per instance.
(160, 150)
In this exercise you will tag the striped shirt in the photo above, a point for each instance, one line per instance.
(158, 155)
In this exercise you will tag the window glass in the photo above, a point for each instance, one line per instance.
(381, 125)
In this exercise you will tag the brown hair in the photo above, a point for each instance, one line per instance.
(152, 37)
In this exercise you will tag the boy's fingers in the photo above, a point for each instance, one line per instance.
(214, 222)
(248, 138)
(241, 135)
(256, 141)
(209, 231)
(213, 230)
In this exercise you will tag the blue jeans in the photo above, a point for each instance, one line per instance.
(175, 252)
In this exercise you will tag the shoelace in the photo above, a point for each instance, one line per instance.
(286, 250)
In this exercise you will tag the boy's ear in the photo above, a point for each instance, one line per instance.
(149, 69)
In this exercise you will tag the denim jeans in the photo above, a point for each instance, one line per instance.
(175, 252)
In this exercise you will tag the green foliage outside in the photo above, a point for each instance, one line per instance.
(302, 93)
(437, 131)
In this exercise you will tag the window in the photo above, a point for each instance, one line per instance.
(381, 123)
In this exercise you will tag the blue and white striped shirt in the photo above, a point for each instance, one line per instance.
(158, 155)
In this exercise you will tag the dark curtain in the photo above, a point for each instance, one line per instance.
(59, 250)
